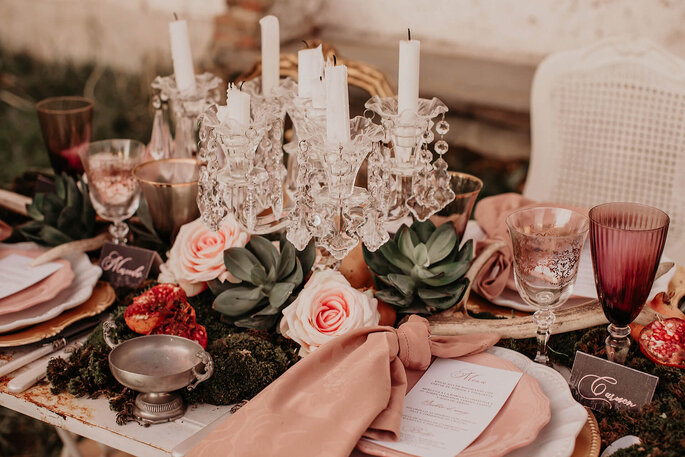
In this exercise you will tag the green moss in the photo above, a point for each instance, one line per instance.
(660, 424)
(245, 362)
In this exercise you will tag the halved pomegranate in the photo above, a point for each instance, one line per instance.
(190, 329)
(663, 341)
(150, 308)
(663, 304)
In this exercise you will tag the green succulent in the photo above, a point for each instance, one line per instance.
(60, 217)
(268, 280)
(421, 269)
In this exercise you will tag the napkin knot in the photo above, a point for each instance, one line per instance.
(413, 338)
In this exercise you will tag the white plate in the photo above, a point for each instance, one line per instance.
(558, 437)
(86, 275)
(584, 288)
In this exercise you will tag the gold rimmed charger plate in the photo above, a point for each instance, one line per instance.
(588, 442)
(103, 296)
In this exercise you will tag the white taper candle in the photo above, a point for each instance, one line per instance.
(408, 78)
(309, 70)
(337, 105)
(271, 54)
(182, 57)
(238, 103)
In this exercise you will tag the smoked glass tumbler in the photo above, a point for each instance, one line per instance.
(547, 244)
(627, 240)
(66, 124)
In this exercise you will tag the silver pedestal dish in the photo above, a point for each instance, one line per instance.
(156, 366)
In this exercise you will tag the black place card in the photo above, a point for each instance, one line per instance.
(600, 384)
(126, 266)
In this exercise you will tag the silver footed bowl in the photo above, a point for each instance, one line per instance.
(156, 366)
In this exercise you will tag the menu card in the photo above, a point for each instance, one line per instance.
(450, 407)
(16, 273)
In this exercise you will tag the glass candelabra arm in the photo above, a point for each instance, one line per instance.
(187, 107)
(420, 188)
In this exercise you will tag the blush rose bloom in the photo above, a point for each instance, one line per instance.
(197, 255)
(327, 307)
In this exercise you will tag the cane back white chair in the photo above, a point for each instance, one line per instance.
(608, 124)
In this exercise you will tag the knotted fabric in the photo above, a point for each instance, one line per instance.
(353, 386)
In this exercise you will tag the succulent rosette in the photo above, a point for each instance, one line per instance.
(327, 307)
(422, 269)
(197, 255)
(271, 274)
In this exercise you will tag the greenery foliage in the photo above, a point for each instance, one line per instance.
(60, 217)
(122, 106)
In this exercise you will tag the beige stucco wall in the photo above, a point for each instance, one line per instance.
(522, 31)
(126, 33)
(122, 33)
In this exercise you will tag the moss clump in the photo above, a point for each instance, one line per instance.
(244, 364)
(659, 424)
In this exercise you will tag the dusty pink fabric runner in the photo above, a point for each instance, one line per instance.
(491, 213)
(349, 388)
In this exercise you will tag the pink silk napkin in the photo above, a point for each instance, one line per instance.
(351, 387)
(491, 213)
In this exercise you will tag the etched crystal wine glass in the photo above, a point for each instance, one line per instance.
(547, 244)
(627, 240)
(113, 189)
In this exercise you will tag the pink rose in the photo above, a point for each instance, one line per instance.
(197, 255)
(327, 307)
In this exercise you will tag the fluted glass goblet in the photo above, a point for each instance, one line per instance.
(627, 240)
(113, 189)
(547, 243)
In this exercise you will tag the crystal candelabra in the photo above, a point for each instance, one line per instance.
(242, 171)
(185, 108)
(328, 206)
(241, 166)
(416, 185)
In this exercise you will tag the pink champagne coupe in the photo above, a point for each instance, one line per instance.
(627, 240)
(547, 244)
(113, 189)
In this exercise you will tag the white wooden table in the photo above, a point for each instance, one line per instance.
(92, 418)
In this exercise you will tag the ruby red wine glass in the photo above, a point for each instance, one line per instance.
(627, 240)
